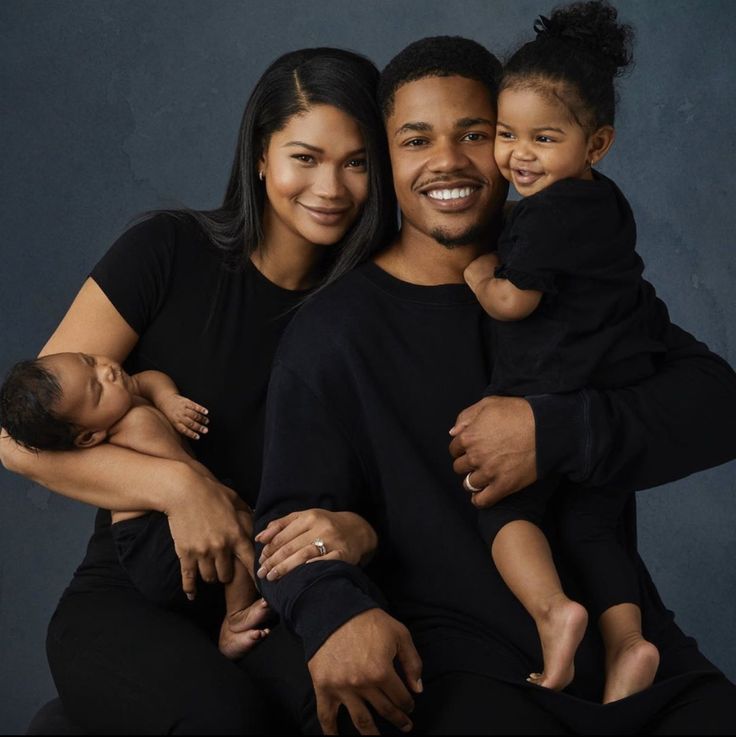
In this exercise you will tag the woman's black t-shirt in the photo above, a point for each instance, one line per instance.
(214, 331)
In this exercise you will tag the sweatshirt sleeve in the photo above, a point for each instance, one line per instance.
(309, 462)
(674, 423)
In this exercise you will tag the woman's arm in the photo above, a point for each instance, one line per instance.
(208, 521)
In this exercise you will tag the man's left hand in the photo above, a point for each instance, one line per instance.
(494, 440)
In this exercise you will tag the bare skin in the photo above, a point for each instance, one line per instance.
(523, 558)
(631, 661)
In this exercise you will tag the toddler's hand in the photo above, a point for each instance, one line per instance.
(187, 417)
(480, 272)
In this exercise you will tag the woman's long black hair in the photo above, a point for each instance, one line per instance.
(292, 85)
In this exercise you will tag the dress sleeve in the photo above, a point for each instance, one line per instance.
(135, 271)
(680, 420)
(310, 462)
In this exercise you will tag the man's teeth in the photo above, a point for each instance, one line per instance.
(450, 194)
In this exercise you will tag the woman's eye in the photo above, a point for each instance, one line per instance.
(304, 158)
(357, 164)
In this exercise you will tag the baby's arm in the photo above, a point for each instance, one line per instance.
(499, 297)
(188, 417)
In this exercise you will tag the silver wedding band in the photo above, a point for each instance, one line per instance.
(469, 486)
(319, 543)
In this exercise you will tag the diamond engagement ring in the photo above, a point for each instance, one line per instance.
(469, 487)
(319, 543)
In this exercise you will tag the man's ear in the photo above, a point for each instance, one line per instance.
(90, 438)
(599, 143)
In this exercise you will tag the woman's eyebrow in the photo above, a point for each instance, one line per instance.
(301, 144)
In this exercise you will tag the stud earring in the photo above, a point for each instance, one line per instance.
(261, 175)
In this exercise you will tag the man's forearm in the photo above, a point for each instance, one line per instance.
(677, 422)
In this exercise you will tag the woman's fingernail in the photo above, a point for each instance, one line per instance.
(420, 685)
(190, 597)
(261, 572)
(272, 575)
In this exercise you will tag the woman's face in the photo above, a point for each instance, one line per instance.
(316, 177)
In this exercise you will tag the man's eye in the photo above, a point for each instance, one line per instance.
(472, 137)
(415, 142)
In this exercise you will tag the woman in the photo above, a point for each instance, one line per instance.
(204, 297)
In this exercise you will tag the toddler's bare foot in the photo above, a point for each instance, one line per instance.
(241, 631)
(630, 668)
(561, 629)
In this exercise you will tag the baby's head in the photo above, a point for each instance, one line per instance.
(64, 400)
(557, 102)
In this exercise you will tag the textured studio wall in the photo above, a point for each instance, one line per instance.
(112, 107)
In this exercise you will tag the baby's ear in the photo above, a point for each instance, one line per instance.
(89, 438)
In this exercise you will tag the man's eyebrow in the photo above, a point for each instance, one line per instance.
(470, 122)
(416, 126)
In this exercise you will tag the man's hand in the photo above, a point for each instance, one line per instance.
(494, 440)
(210, 523)
(355, 667)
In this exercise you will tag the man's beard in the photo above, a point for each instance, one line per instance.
(473, 234)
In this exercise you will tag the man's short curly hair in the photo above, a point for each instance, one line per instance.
(438, 56)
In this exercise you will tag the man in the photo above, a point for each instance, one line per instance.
(367, 383)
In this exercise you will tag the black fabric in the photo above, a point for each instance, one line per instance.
(367, 381)
(51, 718)
(575, 242)
(120, 663)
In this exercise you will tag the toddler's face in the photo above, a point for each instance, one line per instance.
(537, 142)
(96, 392)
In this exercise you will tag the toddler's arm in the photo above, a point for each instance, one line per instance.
(188, 417)
(499, 297)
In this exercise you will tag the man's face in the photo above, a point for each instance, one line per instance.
(441, 134)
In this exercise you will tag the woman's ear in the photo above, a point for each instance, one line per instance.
(600, 142)
(90, 438)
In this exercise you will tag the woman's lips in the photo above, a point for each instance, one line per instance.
(326, 215)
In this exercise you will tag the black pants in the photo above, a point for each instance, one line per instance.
(587, 520)
(124, 665)
(465, 703)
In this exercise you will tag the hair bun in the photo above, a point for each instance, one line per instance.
(591, 27)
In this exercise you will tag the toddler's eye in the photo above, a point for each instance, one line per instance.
(504, 134)
(545, 139)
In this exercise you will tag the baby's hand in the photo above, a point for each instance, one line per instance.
(479, 272)
(187, 417)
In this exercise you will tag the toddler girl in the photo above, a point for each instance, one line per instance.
(572, 311)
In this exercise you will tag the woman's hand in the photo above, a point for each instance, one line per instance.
(290, 541)
(494, 444)
(209, 523)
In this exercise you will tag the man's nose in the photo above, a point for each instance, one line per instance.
(447, 156)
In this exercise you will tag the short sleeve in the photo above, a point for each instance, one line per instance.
(134, 273)
(534, 247)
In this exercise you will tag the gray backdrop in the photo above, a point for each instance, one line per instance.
(109, 108)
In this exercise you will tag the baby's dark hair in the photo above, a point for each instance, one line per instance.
(575, 57)
(438, 56)
(27, 398)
